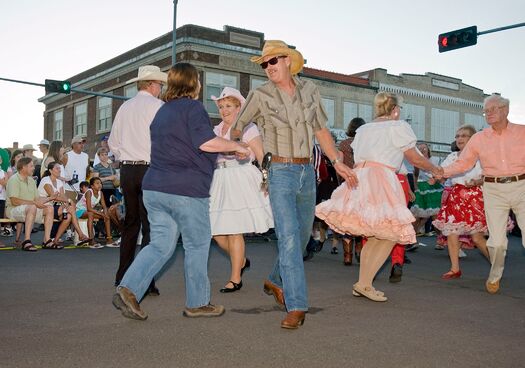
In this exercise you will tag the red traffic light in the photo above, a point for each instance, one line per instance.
(458, 39)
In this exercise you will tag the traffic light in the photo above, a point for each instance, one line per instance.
(58, 86)
(458, 39)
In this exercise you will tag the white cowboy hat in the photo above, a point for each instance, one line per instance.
(150, 73)
(229, 92)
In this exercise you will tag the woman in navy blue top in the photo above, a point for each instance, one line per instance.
(176, 195)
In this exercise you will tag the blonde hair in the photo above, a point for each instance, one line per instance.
(384, 103)
(183, 81)
(470, 128)
(102, 150)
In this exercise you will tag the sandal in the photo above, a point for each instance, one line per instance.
(28, 246)
(83, 242)
(50, 244)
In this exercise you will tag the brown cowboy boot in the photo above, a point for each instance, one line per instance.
(347, 249)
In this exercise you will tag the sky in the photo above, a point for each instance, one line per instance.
(57, 39)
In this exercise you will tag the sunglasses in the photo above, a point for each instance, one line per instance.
(272, 61)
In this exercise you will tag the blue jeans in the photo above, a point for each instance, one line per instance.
(292, 196)
(171, 215)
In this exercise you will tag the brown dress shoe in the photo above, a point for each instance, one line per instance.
(125, 300)
(293, 320)
(492, 287)
(271, 289)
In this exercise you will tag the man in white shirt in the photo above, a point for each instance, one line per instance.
(76, 162)
(130, 143)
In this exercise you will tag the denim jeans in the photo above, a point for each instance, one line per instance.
(172, 215)
(292, 196)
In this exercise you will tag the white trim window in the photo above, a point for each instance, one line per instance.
(80, 126)
(256, 82)
(214, 83)
(130, 91)
(58, 125)
(104, 119)
(329, 106)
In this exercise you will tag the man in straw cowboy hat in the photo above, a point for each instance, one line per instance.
(289, 112)
(130, 143)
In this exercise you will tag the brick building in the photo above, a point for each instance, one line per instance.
(435, 104)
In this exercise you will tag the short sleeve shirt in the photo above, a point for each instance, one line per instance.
(383, 142)
(19, 188)
(287, 123)
(47, 180)
(250, 132)
(104, 172)
(178, 166)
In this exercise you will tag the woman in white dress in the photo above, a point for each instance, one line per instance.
(237, 204)
(376, 208)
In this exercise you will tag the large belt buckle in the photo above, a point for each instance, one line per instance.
(265, 167)
(504, 179)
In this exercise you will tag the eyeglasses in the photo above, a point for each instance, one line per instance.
(272, 61)
(160, 84)
(492, 110)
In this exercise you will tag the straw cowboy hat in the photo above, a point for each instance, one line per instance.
(229, 92)
(150, 73)
(277, 48)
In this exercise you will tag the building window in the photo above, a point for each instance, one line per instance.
(349, 112)
(130, 91)
(415, 116)
(354, 110)
(443, 128)
(256, 82)
(329, 106)
(104, 114)
(80, 127)
(214, 83)
(477, 120)
(58, 125)
(365, 112)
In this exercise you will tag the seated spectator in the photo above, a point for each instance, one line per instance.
(24, 205)
(86, 210)
(106, 173)
(63, 209)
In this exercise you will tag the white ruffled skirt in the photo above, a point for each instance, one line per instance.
(376, 207)
(237, 204)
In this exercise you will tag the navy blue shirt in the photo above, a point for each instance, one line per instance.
(177, 165)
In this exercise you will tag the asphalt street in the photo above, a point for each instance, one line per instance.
(57, 312)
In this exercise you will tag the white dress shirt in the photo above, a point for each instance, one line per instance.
(130, 137)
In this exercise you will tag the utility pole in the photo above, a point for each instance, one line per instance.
(174, 34)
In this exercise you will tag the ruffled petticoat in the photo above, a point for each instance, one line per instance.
(237, 205)
(428, 199)
(376, 207)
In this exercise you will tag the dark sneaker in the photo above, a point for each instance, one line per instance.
(396, 273)
(125, 301)
(209, 310)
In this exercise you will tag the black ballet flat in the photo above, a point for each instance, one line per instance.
(247, 264)
(235, 287)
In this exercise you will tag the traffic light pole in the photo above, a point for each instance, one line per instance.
(78, 90)
(501, 28)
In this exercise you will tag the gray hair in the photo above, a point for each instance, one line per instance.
(501, 100)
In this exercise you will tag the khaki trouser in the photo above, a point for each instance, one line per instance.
(499, 199)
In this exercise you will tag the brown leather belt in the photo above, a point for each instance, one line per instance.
(291, 160)
(503, 179)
